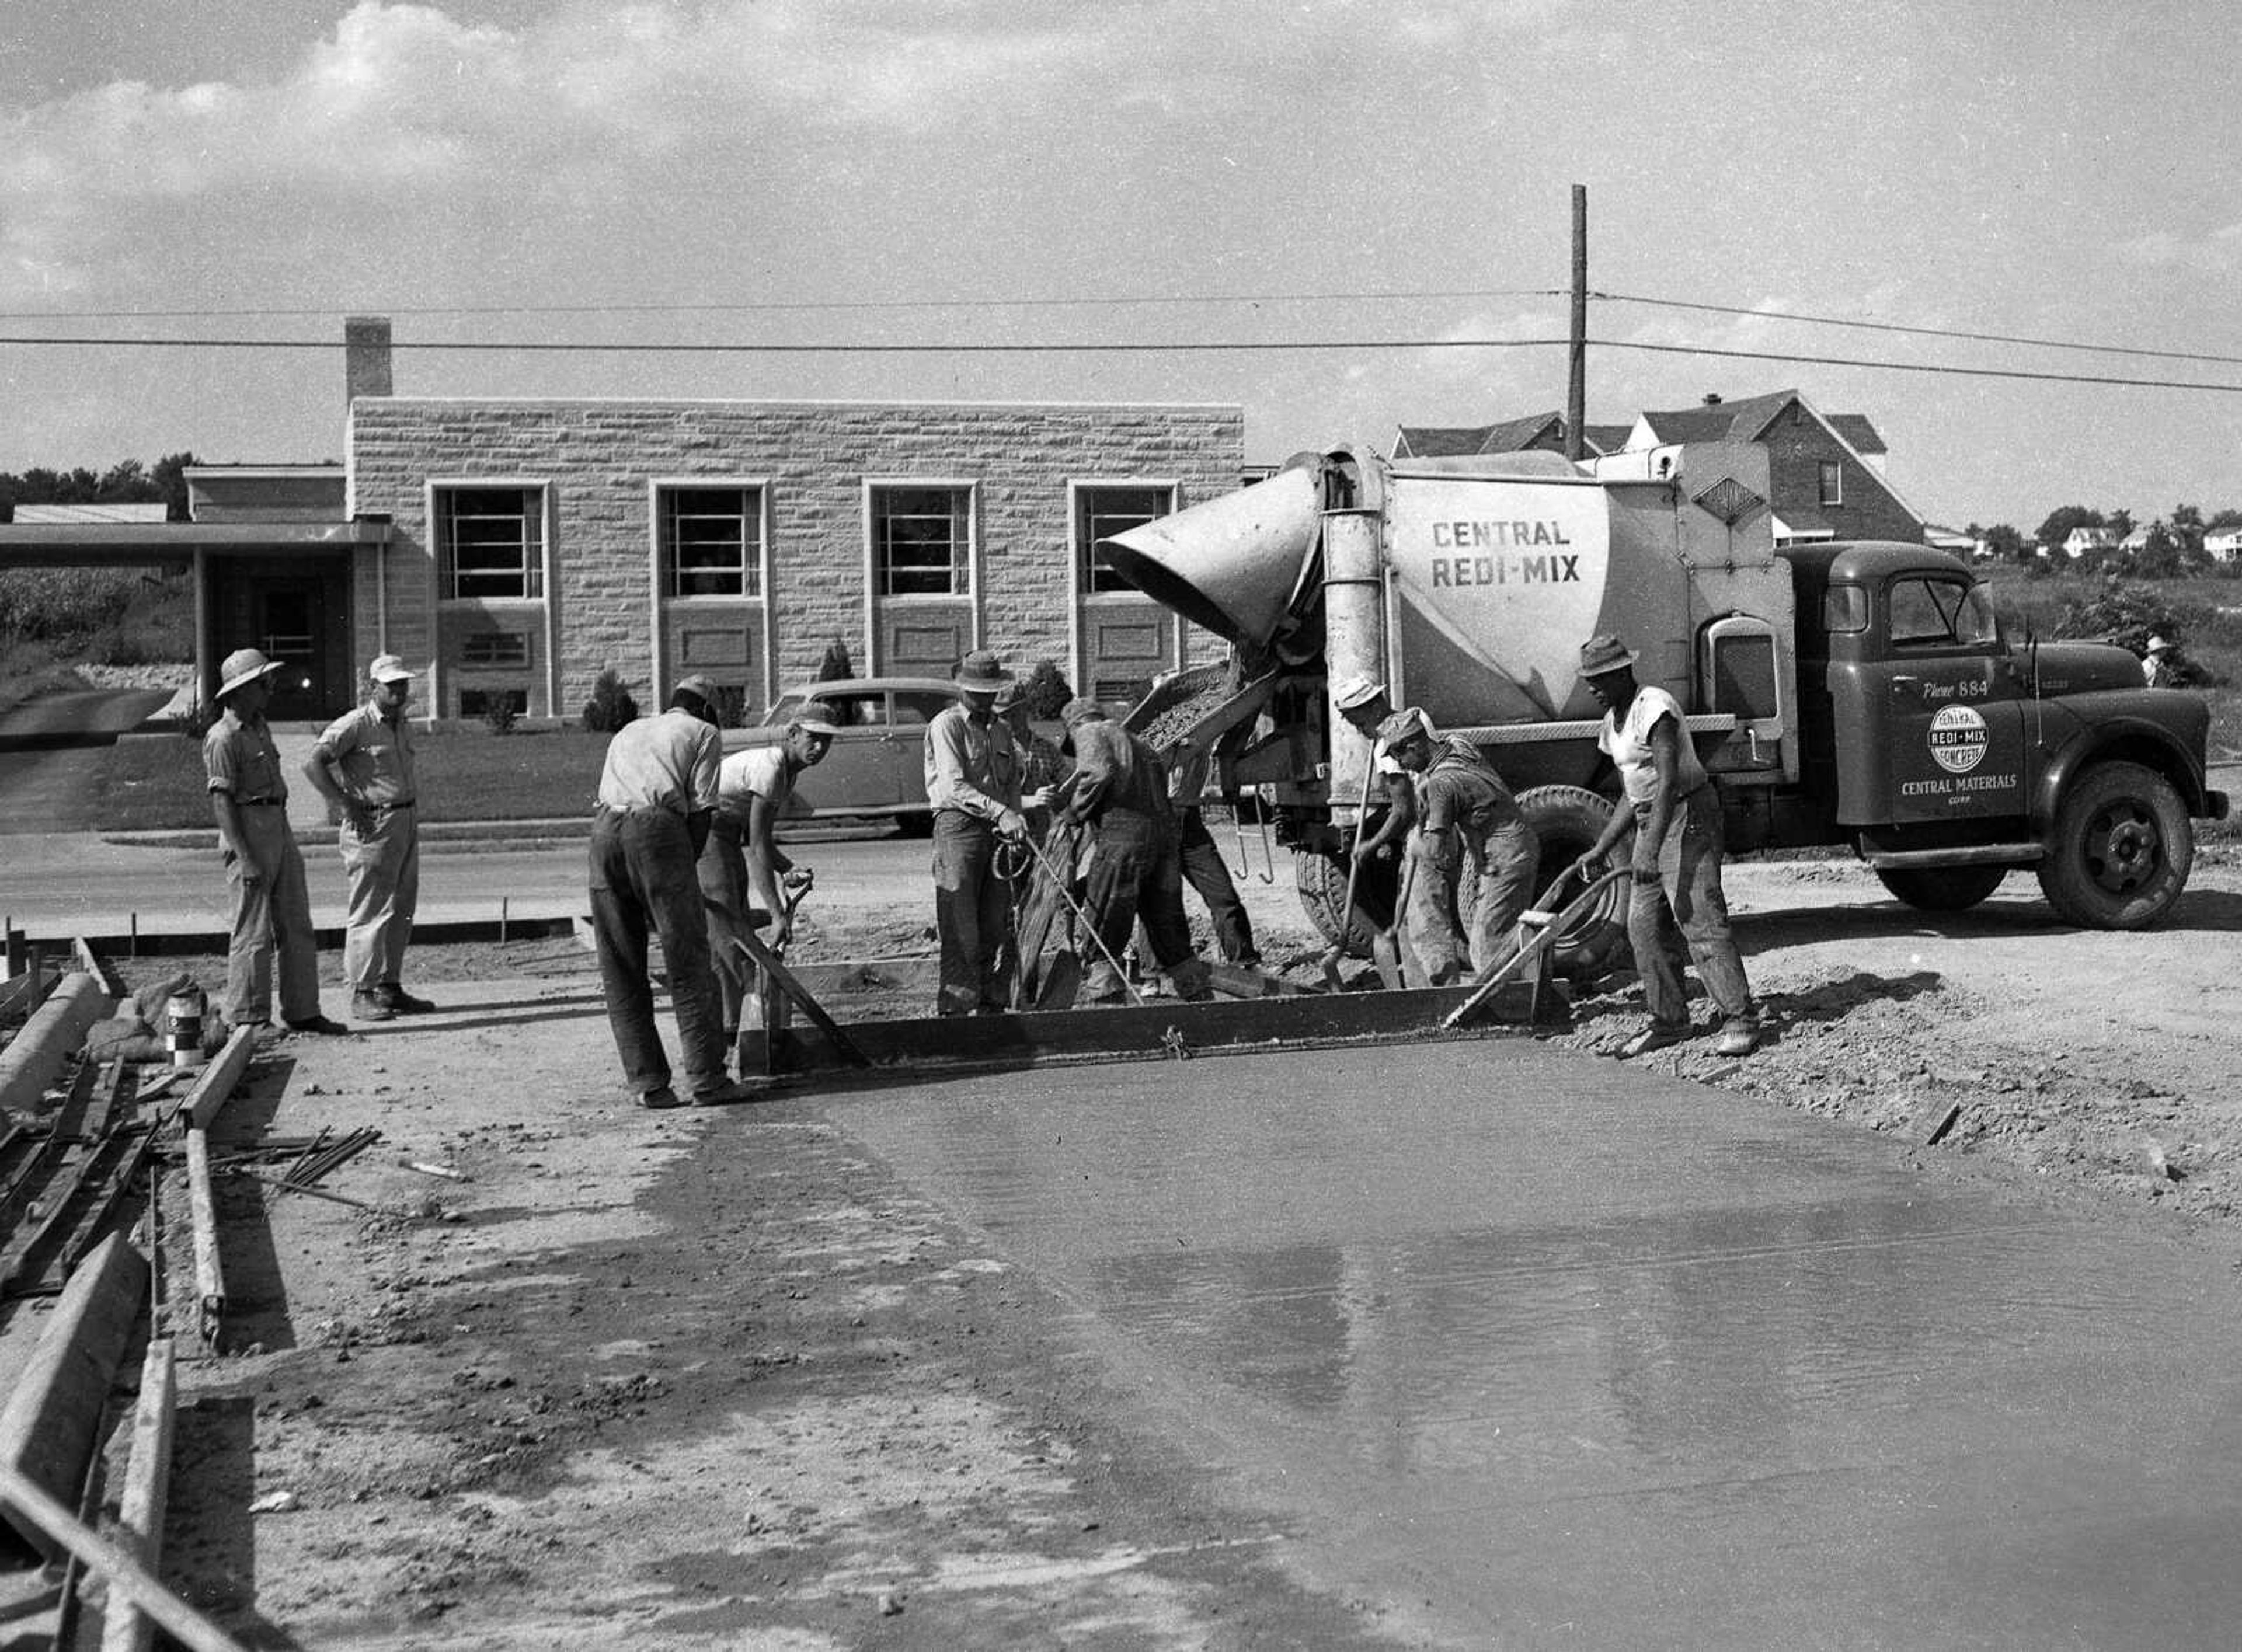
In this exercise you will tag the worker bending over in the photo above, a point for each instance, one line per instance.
(657, 792)
(1465, 814)
(742, 864)
(1121, 796)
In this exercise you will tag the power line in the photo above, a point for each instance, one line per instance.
(1115, 301)
(1096, 347)
(1927, 333)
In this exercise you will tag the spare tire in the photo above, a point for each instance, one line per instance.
(1569, 820)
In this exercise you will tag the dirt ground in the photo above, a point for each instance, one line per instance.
(715, 1378)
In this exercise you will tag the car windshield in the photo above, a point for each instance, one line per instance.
(863, 709)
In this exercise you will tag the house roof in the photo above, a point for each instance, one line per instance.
(1858, 433)
(134, 511)
(1509, 436)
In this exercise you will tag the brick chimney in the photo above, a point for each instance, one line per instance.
(366, 356)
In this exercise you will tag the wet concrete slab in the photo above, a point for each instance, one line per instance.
(1537, 1349)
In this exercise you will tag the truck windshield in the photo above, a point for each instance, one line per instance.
(1930, 613)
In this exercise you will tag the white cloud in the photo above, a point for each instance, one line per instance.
(2205, 252)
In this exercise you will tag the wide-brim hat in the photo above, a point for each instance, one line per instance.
(1600, 656)
(815, 718)
(980, 672)
(701, 688)
(1081, 710)
(2159, 645)
(388, 668)
(243, 666)
(1349, 692)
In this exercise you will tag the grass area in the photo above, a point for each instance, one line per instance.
(156, 784)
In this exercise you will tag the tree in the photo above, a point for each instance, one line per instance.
(169, 477)
(1046, 690)
(2060, 521)
(2006, 544)
(2120, 523)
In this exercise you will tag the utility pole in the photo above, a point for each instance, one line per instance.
(1576, 396)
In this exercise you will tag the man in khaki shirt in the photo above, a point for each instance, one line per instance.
(973, 782)
(363, 765)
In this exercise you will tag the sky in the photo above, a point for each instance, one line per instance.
(1377, 196)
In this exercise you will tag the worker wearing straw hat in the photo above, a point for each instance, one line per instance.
(973, 782)
(271, 903)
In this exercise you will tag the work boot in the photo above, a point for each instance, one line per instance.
(401, 1002)
(1739, 1037)
(751, 1087)
(1659, 1035)
(368, 1006)
(317, 1024)
(659, 1096)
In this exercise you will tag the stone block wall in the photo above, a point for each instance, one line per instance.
(597, 458)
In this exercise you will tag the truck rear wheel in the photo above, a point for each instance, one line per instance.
(1569, 820)
(1942, 888)
(1321, 880)
(2121, 849)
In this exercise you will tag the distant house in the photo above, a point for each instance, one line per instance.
(1827, 472)
(2083, 540)
(2137, 540)
(2223, 544)
(1952, 539)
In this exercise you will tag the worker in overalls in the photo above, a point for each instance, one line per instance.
(1465, 814)
(973, 784)
(362, 764)
(271, 903)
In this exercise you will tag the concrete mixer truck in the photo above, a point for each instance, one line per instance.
(1855, 694)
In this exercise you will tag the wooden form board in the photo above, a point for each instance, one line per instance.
(1164, 1029)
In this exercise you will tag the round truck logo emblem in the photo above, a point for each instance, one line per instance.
(1957, 739)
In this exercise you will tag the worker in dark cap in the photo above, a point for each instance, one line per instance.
(1136, 872)
(1676, 814)
(1465, 814)
(973, 772)
(657, 795)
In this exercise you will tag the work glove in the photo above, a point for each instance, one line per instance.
(1012, 824)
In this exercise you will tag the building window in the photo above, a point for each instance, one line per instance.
(922, 540)
(712, 540)
(1832, 482)
(478, 702)
(491, 541)
(1100, 513)
(488, 649)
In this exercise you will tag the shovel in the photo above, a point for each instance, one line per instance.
(767, 1006)
(1551, 930)
(1386, 946)
(1332, 982)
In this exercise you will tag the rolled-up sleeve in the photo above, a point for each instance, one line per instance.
(222, 759)
(948, 783)
(708, 759)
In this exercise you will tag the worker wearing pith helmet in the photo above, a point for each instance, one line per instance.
(741, 865)
(1676, 814)
(1466, 814)
(362, 764)
(1121, 795)
(973, 773)
(657, 791)
(2156, 663)
(271, 903)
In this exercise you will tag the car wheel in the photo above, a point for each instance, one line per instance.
(2121, 850)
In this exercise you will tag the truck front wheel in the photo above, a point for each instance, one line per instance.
(2121, 849)
(1321, 880)
(1942, 888)
(1569, 820)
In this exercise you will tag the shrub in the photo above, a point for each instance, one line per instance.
(732, 708)
(1046, 690)
(2129, 616)
(610, 706)
(499, 716)
(835, 664)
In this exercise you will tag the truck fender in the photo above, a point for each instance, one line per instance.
(2135, 740)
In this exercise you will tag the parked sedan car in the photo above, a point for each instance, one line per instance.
(877, 762)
